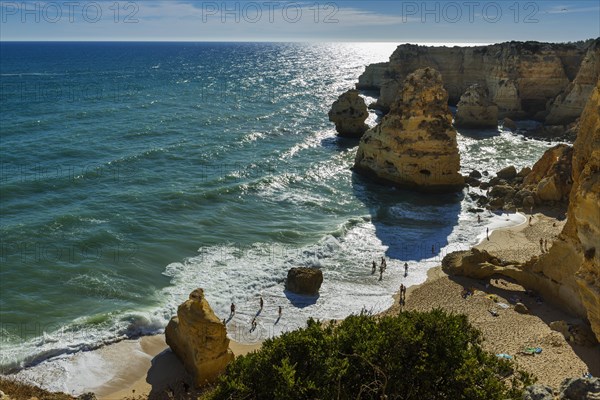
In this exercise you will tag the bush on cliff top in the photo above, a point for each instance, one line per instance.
(413, 355)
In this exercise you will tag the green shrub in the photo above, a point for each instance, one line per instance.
(413, 355)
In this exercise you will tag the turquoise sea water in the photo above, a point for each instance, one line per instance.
(132, 173)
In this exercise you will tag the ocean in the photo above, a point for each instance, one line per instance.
(133, 173)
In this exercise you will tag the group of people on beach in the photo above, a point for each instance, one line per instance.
(254, 322)
(544, 245)
(383, 267)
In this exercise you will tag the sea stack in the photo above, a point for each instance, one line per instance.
(349, 113)
(415, 143)
(199, 339)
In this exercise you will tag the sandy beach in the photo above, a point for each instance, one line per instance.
(511, 332)
(146, 367)
(151, 368)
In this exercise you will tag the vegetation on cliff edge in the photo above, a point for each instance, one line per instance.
(433, 355)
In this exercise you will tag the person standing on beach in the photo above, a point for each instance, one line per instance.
(280, 311)
(402, 294)
(487, 233)
(405, 269)
(383, 263)
(530, 219)
(374, 268)
(262, 302)
(232, 309)
(478, 219)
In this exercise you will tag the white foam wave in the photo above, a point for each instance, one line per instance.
(240, 274)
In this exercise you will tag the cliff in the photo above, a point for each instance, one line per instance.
(199, 339)
(523, 78)
(572, 266)
(582, 231)
(415, 144)
(475, 110)
(568, 105)
(569, 273)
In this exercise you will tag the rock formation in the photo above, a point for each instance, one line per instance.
(523, 78)
(568, 105)
(583, 224)
(569, 273)
(199, 339)
(538, 392)
(507, 173)
(475, 110)
(373, 76)
(304, 281)
(550, 176)
(570, 389)
(415, 144)
(509, 124)
(349, 113)
(548, 182)
(580, 389)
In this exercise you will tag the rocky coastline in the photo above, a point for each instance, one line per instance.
(509, 80)
(415, 146)
(546, 82)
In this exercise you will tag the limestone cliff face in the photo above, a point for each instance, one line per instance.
(373, 76)
(199, 339)
(522, 77)
(568, 274)
(475, 110)
(567, 106)
(583, 225)
(349, 113)
(415, 144)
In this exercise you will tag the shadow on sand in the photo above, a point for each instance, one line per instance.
(168, 378)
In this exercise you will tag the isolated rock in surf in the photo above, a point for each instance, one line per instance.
(349, 113)
(304, 281)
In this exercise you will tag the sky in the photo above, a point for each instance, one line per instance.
(304, 21)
